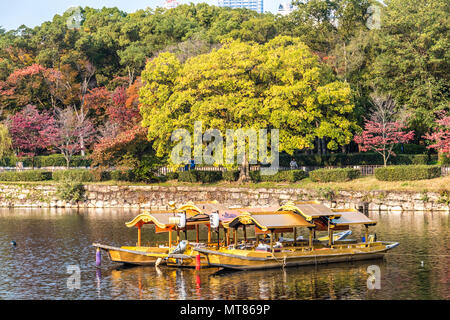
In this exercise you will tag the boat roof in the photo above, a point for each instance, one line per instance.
(269, 220)
(206, 207)
(310, 209)
(163, 219)
(351, 216)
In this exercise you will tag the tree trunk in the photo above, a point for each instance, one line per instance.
(82, 146)
(244, 175)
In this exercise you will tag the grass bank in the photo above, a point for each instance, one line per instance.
(362, 184)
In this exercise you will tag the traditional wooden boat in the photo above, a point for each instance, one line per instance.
(178, 253)
(259, 254)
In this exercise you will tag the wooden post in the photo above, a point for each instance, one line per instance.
(170, 238)
(209, 233)
(227, 236)
(367, 233)
(311, 238)
(218, 237)
(235, 236)
(330, 237)
(244, 227)
(295, 236)
(139, 234)
(178, 236)
(197, 234)
(271, 241)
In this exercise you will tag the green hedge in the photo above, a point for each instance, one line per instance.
(172, 175)
(350, 159)
(199, 176)
(231, 175)
(334, 175)
(444, 159)
(75, 175)
(122, 175)
(54, 160)
(280, 176)
(401, 173)
(29, 175)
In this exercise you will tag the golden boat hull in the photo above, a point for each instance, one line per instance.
(253, 260)
(148, 256)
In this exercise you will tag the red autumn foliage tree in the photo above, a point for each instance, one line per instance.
(66, 133)
(123, 111)
(440, 139)
(380, 133)
(30, 85)
(123, 140)
(29, 131)
(97, 101)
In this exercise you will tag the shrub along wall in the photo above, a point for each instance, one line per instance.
(288, 176)
(400, 173)
(341, 159)
(199, 176)
(334, 175)
(54, 160)
(31, 175)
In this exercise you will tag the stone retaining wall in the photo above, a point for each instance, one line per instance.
(157, 197)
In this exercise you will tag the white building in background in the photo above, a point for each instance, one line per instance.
(257, 5)
(170, 4)
(285, 8)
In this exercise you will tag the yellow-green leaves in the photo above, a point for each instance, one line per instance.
(278, 85)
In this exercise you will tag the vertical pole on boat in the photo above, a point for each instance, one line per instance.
(185, 228)
(209, 233)
(178, 236)
(197, 262)
(367, 234)
(170, 238)
(331, 241)
(235, 236)
(197, 234)
(244, 227)
(98, 257)
(271, 240)
(139, 234)
(295, 236)
(311, 237)
(218, 237)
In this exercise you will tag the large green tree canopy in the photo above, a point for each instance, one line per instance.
(278, 85)
(413, 58)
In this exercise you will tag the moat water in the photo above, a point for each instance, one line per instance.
(52, 244)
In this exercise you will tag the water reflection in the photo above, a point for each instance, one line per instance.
(50, 240)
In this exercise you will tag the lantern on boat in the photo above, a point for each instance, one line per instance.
(214, 220)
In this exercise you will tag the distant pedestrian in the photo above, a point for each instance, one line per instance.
(293, 164)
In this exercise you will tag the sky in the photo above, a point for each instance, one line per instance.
(14, 13)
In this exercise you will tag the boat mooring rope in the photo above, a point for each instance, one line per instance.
(283, 264)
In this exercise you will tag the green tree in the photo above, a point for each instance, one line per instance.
(278, 85)
(413, 58)
(5, 142)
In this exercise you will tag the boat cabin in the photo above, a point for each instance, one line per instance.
(330, 220)
(267, 222)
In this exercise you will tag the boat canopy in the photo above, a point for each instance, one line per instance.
(205, 207)
(270, 220)
(310, 210)
(164, 220)
(351, 217)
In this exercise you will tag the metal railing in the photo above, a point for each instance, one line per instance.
(366, 170)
